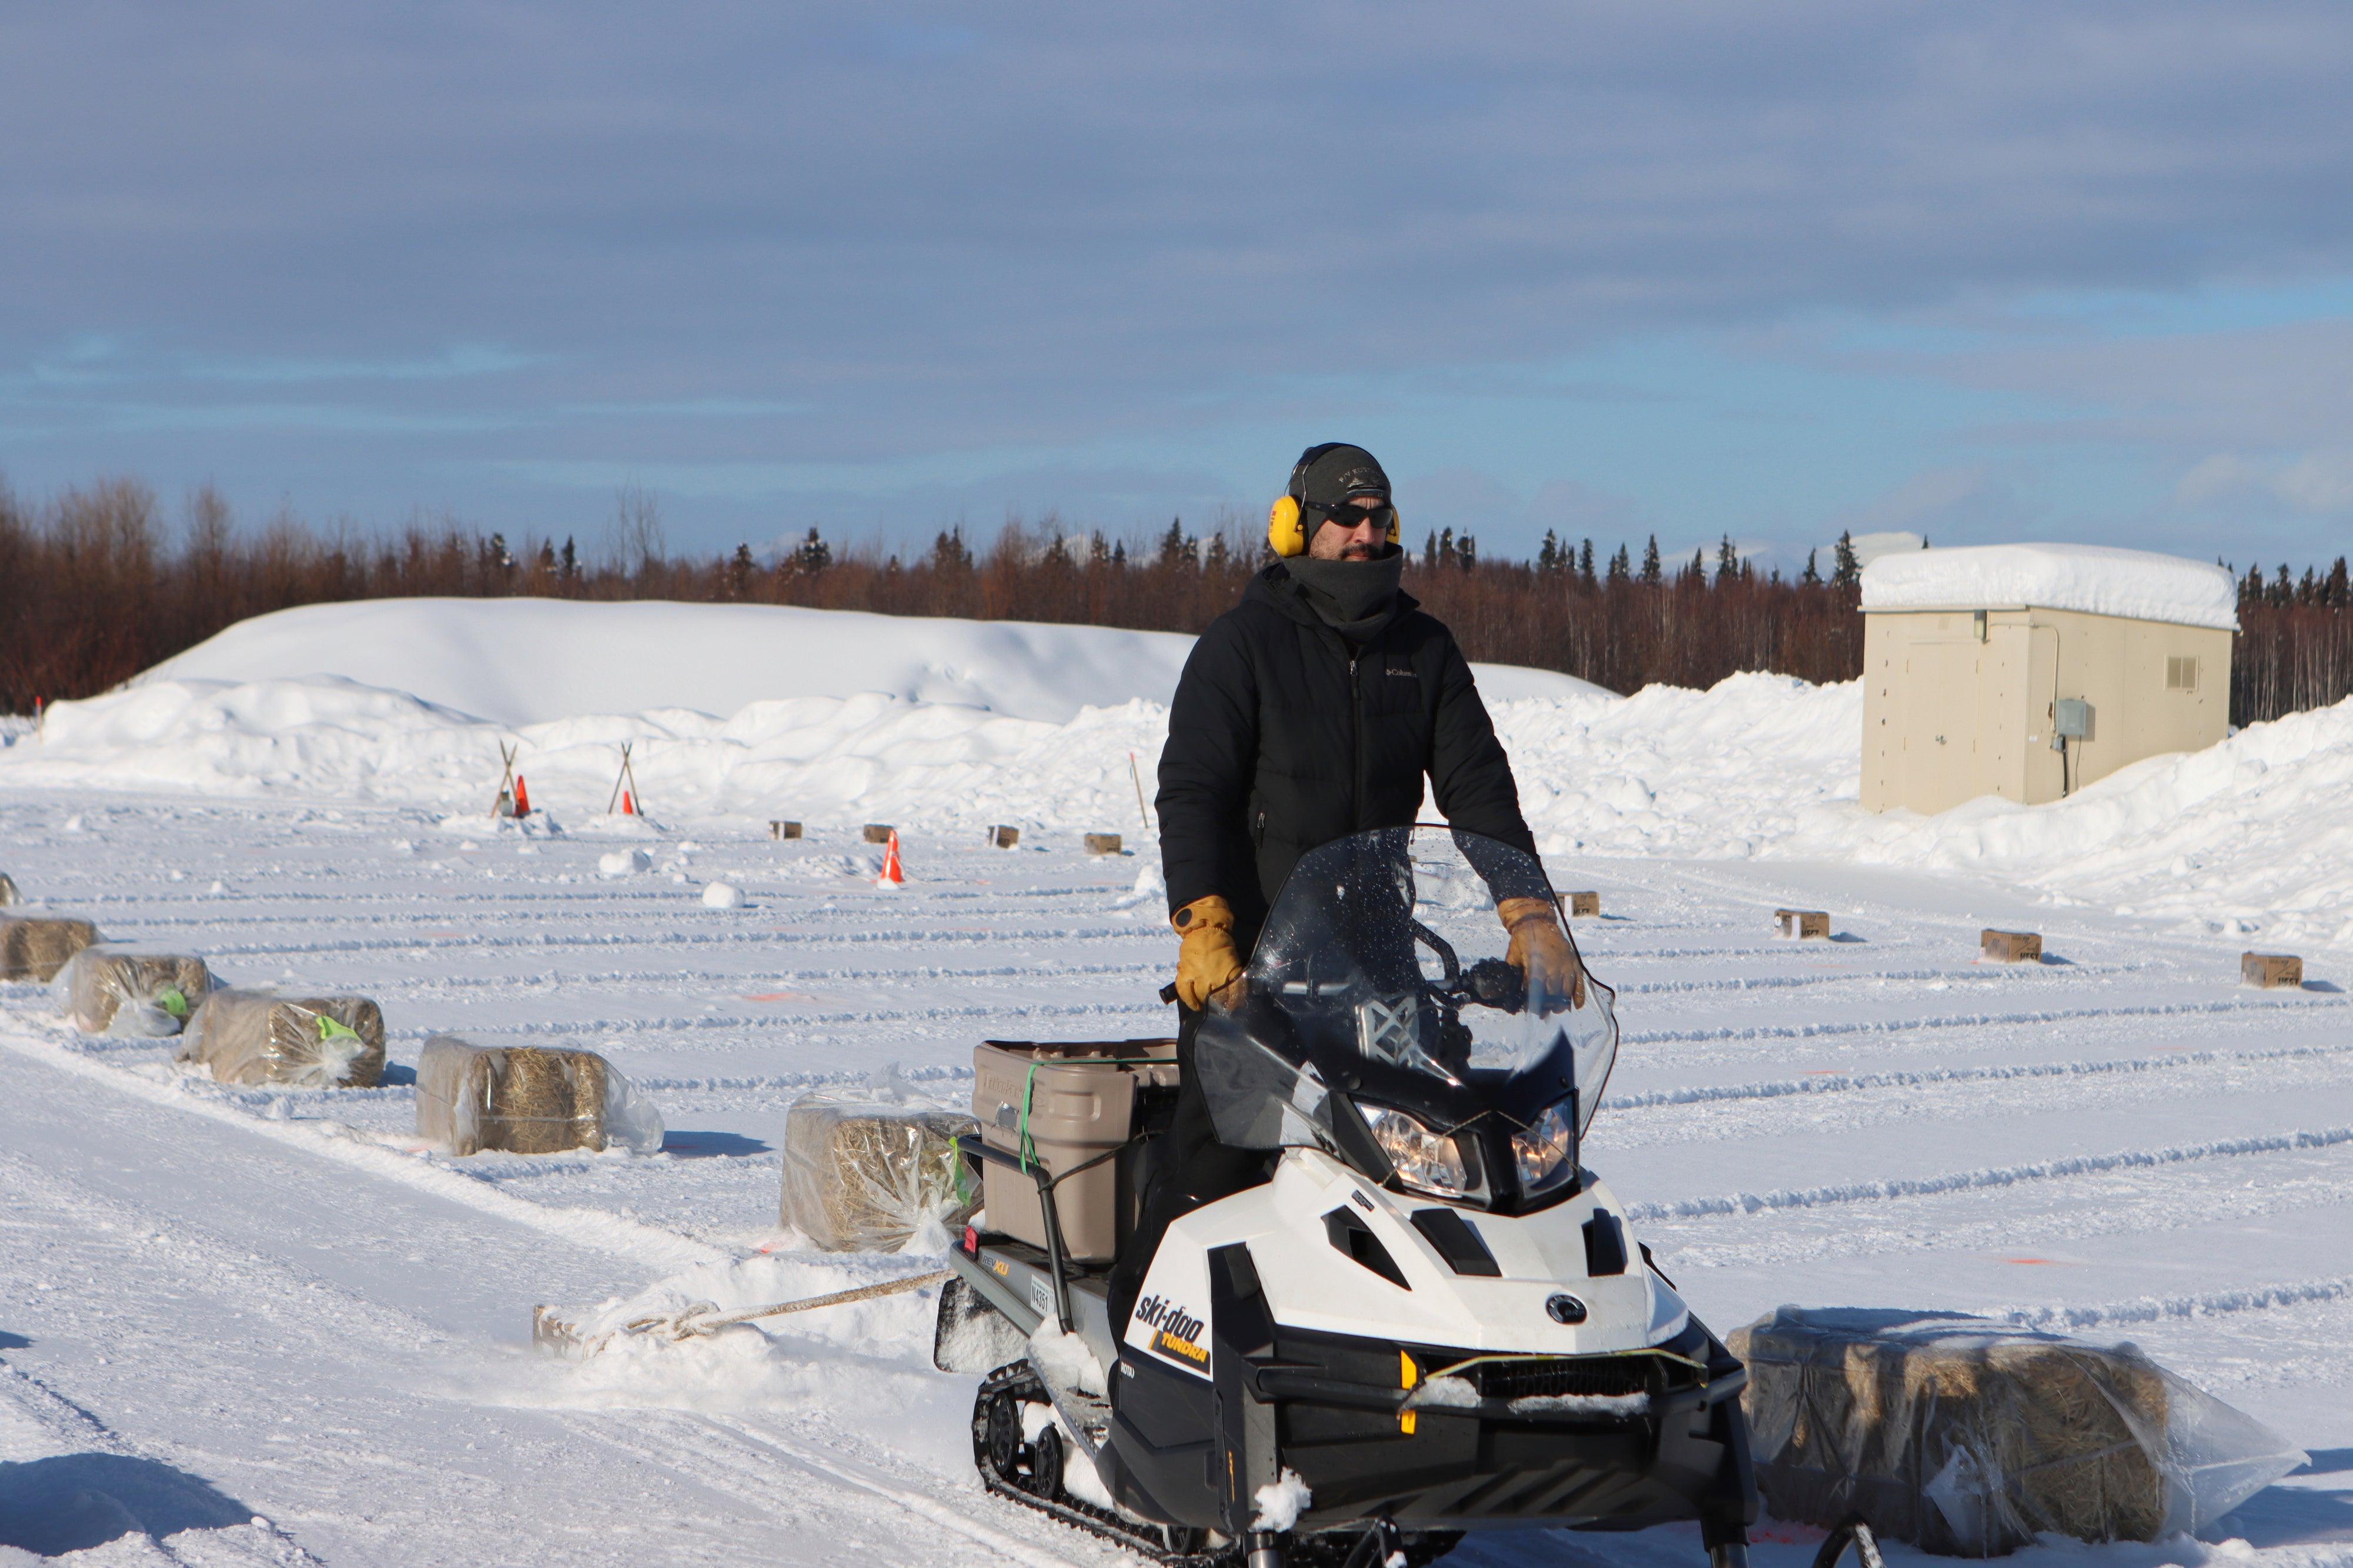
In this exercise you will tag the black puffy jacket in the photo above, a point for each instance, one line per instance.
(1282, 738)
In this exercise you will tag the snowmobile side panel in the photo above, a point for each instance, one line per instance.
(1159, 1458)
(1241, 1330)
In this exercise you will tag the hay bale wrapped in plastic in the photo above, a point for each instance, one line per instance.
(108, 990)
(1969, 1438)
(528, 1100)
(35, 947)
(869, 1170)
(307, 1042)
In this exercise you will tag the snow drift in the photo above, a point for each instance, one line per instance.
(2248, 836)
(533, 661)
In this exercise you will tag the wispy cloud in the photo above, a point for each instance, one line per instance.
(1737, 266)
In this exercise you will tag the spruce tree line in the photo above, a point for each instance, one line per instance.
(95, 588)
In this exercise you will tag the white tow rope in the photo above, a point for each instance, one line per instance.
(700, 1318)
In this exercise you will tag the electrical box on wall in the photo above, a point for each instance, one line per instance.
(2071, 717)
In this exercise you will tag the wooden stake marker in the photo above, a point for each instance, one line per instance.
(1581, 904)
(2269, 969)
(879, 832)
(1102, 843)
(1803, 923)
(2011, 946)
(784, 830)
(1004, 838)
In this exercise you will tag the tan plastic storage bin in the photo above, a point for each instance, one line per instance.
(1078, 1101)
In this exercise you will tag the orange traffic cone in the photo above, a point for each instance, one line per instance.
(894, 874)
(523, 798)
(629, 808)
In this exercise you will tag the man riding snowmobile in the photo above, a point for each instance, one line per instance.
(1311, 711)
(1373, 1296)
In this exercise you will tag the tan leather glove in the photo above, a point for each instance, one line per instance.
(1207, 967)
(1540, 950)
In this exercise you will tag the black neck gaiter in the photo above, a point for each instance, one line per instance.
(1355, 598)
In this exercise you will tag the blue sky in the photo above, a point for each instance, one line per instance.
(1999, 271)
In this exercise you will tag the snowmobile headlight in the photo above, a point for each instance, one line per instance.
(1547, 1152)
(1425, 1161)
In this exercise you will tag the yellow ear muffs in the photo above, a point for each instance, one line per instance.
(1283, 534)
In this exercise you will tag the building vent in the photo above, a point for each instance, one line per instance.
(2181, 674)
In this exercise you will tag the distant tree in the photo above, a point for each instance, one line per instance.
(1619, 569)
(1548, 554)
(1177, 545)
(1849, 572)
(812, 556)
(1727, 559)
(739, 573)
(570, 558)
(949, 553)
(1813, 576)
(1650, 571)
(1698, 572)
(2336, 595)
(1446, 556)
(1430, 551)
(635, 537)
(1466, 552)
(546, 562)
(1585, 565)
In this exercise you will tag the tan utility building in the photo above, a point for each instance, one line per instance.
(2028, 671)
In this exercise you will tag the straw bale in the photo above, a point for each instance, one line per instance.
(101, 980)
(866, 1175)
(525, 1100)
(260, 1037)
(35, 947)
(1960, 1435)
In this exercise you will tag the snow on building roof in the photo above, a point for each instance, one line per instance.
(2090, 578)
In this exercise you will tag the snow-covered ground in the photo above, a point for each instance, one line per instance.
(261, 1326)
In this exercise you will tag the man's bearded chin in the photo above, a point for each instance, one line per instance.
(1351, 551)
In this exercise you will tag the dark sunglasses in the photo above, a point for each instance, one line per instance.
(1347, 514)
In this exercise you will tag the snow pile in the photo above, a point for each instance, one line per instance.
(2092, 578)
(1728, 772)
(533, 661)
(2250, 836)
(829, 760)
(2245, 837)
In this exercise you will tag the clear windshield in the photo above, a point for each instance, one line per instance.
(1384, 979)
